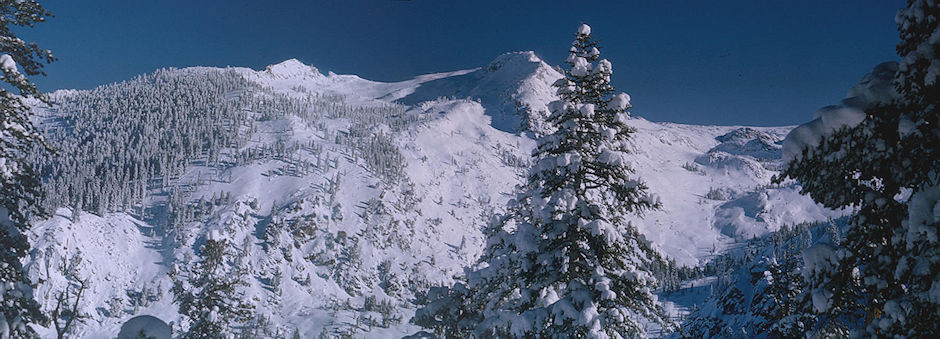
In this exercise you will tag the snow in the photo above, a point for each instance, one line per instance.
(595, 52)
(293, 69)
(7, 64)
(758, 213)
(817, 260)
(587, 110)
(8, 168)
(4, 327)
(581, 67)
(145, 327)
(464, 156)
(117, 257)
(825, 121)
(572, 57)
(875, 87)
(923, 215)
(584, 29)
(610, 157)
(511, 82)
(604, 66)
(805, 136)
(821, 300)
(689, 225)
(933, 71)
(835, 117)
(214, 235)
(905, 126)
(620, 101)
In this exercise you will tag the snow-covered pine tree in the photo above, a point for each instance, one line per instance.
(19, 186)
(761, 292)
(788, 312)
(209, 294)
(917, 312)
(570, 265)
(589, 274)
(879, 279)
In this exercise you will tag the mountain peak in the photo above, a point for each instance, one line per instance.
(513, 60)
(293, 68)
(513, 84)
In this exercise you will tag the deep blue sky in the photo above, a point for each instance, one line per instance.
(745, 62)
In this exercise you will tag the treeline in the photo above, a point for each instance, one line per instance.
(117, 141)
(760, 288)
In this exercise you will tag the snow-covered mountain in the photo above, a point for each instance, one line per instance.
(345, 198)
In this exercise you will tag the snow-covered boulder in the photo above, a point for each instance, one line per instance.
(145, 327)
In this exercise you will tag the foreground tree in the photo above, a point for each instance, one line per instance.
(19, 187)
(564, 261)
(918, 311)
(882, 280)
(209, 293)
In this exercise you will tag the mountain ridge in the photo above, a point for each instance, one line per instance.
(341, 193)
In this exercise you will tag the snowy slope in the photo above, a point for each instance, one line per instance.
(116, 255)
(363, 194)
(506, 87)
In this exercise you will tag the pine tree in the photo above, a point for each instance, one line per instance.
(589, 274)
(19, 185)
(882, 274)
(917, 312)
(209, 293)
(564, 261)
(788, 314)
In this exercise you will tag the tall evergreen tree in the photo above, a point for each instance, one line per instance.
(787, 312)
(209, 293)
(19, 186)
(917, 312)
(883, 277)
(564, 261)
